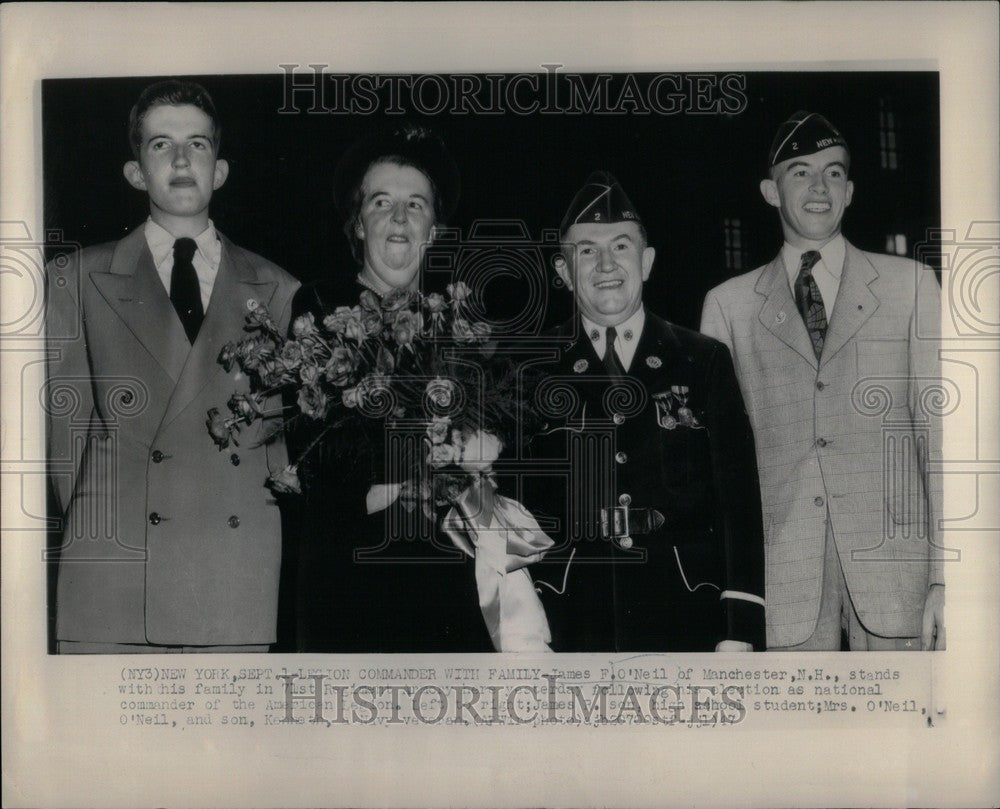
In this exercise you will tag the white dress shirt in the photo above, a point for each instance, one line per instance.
(628, 336)
(827, 271)
(206, 258)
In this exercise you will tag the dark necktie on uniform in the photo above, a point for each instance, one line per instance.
(185, 293)
(612, 364)
(810, 302)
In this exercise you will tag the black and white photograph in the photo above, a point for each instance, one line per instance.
(380, 422)
(506, 400)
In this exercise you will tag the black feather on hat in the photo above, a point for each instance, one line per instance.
(412, 143)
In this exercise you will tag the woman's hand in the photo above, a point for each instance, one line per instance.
(479, 452)
(381, 496)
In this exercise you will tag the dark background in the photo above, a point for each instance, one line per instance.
(693, 178)
(687, 174)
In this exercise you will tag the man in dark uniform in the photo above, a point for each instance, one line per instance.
(646, 467)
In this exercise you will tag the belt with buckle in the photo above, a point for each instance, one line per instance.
(619, 523)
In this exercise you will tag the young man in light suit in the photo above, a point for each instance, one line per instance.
(169, 544)
(836, 353)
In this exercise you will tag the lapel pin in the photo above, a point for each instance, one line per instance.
(779, 318)
(580, 366)
(251, 304)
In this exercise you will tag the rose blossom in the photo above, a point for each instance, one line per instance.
(439, 429)
(441, 455)
(259, 316)
(309, 374)
(406, 327)
(219, 428)
(244, 406)
(304, 325)
(350, 397)
(313, 401)
(371, 322)
(341, 365)
(440, 392)
(459, 291)
(462, 331)
(481, 331)
(344, 320)
(291, 355)
(227, 356)
(436, 303)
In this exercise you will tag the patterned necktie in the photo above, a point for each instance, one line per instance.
(810, 302)
(185, 293)
(612, 364)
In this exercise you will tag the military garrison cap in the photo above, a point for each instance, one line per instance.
(601, 200)
(803, 134)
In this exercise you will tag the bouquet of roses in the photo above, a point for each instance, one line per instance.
(421, 361)
(408, 357)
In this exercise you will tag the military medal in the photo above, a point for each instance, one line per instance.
(684, 414)
(663, 416)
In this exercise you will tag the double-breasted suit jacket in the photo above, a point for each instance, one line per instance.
(166, 539)
(853, 435)
(669, 448)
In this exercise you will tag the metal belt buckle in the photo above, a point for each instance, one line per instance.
(614, 525)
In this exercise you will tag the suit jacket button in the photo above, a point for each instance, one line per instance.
(820, 385)
(157, 456)
(621, 457)
(625, 542)
(618, 418)
(625, 499)
(154, 518)
(820, 442)
(818, 501)
(234, 522)
(234, 459)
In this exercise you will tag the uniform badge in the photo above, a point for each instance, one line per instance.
(654, 362)
(580, 366)
(672, 410)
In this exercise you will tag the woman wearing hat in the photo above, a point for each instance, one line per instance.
(370, 575)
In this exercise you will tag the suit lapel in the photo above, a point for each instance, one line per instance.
(136, 294)
(855, 302)
(236, 283)
(580, 361)
(657, 344)
(779, 314)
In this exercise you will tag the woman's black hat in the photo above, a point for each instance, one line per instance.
(415, 145)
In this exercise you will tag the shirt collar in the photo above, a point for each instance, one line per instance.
(161, 244)
(832, 253)
(632, 326)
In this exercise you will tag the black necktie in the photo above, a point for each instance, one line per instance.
(810, 302)
(185, 294)
(612, 364)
